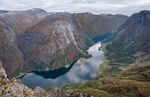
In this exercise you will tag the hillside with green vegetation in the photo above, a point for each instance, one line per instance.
(126, 68)
(116, 79)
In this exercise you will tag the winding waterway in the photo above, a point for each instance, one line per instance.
(77, 72)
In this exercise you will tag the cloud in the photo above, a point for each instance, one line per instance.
(95, 6)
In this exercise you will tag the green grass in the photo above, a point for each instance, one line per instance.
(72, 86)
(102, 66)
(119, 54)
(122, 52)
(104, 49)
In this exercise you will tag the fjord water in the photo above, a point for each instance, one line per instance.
(78, 72)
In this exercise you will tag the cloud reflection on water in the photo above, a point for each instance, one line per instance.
(80, 72)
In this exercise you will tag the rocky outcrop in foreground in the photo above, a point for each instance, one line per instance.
(13, 87)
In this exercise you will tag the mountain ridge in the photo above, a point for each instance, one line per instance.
(124, 73)
(42, 42)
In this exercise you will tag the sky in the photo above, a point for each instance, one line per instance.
(126, 7)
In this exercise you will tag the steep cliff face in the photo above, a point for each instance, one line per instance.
(10, 54)
(136, 28)
(50, 43)
(12, 24)
(58, 40)
(32, 40)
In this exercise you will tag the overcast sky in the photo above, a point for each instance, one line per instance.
(127, 7)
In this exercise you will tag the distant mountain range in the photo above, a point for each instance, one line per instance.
(3, 11)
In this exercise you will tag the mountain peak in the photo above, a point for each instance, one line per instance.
(37, 10)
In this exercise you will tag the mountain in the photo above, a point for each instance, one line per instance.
(12, 24)
(32, 40)
(126, 68)
(117, 77)
(3, 11)
(137, 30)
(97, 24)
(124, 73)
(50, 42)
(131, 43)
